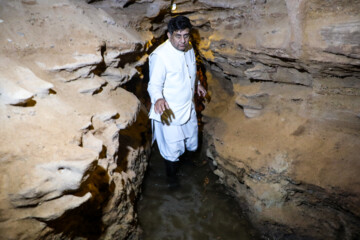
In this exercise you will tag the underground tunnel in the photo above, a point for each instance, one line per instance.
(279, 129)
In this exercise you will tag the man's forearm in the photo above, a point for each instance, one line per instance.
(155, 92)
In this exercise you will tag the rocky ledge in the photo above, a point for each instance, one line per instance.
(74, 143)
(282, 126)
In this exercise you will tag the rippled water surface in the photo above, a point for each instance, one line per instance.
(198, 209)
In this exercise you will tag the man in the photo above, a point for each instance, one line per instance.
(171, 89)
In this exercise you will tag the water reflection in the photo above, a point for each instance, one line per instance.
(197, 210)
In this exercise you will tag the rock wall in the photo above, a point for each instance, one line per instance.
(282, 126)
(74, 143)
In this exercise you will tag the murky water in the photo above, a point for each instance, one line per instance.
(199, 209)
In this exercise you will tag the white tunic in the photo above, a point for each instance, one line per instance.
(172, 77)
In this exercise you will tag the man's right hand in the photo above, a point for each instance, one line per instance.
(161, 105)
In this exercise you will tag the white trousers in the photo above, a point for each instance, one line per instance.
(173, 139)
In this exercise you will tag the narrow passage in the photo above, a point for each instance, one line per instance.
(198, 210)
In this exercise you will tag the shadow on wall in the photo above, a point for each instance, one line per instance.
(133, 137)
(85, 221)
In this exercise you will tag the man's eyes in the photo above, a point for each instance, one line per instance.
(179, 36)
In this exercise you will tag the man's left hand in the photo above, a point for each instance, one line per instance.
(201, 91)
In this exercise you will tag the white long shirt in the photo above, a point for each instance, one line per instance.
(172, 77)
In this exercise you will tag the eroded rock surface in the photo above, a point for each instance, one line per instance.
(283, 122)
(282, 126)
(74, 143)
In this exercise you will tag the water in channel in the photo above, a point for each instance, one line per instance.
(198, 210)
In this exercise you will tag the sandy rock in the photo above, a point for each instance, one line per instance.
(155, 8)
(104, 117)
(115, 75)
(13, 94)
(289, 153)
(83, 65)
(54, 209)
(50, 180)
(224, 4)
(90, 85)
(291, 75)
(29, 81)
(249, 103)
(91, 142)
(122, 3)
(260, 72)
(19, 85)
(291, 69)
(111, 58)
(59, 154)
(342, 38)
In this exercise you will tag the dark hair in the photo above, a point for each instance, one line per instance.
(178, 23)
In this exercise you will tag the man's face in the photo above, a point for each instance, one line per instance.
(180, 39)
